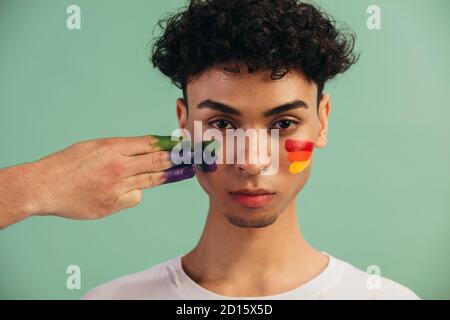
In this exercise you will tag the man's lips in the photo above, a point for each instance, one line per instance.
(252, 198)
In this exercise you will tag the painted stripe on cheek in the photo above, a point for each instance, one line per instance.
(300, 153)
(299, 156)
(298, 145)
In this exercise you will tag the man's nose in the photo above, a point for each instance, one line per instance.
(252, 169)
(255, 160)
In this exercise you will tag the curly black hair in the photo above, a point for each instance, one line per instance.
(268, 35)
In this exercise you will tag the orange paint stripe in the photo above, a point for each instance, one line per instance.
(299, 156)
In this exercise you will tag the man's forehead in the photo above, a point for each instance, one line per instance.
(231, 74)
(257, 86)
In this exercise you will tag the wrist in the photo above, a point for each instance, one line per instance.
(30, 178)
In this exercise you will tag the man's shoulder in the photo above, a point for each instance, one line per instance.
(152, 283)
(355, 283)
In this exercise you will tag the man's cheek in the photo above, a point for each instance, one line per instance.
(212, 180)
(205, 182)
(299, 154)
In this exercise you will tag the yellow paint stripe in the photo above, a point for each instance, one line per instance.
(298, 166)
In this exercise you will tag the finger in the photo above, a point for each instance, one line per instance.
(150, 162)
(128, 200)
(130, 146)
(152, 179)
(162, 160)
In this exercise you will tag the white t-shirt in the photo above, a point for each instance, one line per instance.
(339, 280)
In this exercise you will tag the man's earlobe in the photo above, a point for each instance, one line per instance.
(324, 110)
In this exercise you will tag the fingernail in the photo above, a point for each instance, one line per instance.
(179, 173)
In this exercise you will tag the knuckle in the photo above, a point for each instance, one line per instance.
(149, 180)
(157, 159)
(148, 143)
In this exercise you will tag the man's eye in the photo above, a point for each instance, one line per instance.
(221, 124)
(284, 124)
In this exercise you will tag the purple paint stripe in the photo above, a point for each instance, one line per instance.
(179, 173)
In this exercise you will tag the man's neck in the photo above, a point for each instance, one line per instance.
(235, 261)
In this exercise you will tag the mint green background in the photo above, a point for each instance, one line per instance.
(379, 193)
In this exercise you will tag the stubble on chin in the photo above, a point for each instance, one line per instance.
(260, 222)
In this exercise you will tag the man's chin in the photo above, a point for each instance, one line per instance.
(243, 221)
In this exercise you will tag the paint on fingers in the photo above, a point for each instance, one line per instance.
(178, 173)
(165, 143)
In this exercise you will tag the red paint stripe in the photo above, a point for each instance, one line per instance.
(299, 156)
(298, 145)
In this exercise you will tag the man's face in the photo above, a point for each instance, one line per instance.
(252, 96)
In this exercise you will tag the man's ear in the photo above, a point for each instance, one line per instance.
(182, 114)
(324, 110)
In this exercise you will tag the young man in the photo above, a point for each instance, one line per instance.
(258, 64)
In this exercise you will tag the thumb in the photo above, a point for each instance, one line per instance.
(128, 200)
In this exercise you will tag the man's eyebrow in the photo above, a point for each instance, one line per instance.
(218, 106)
(286, 107)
